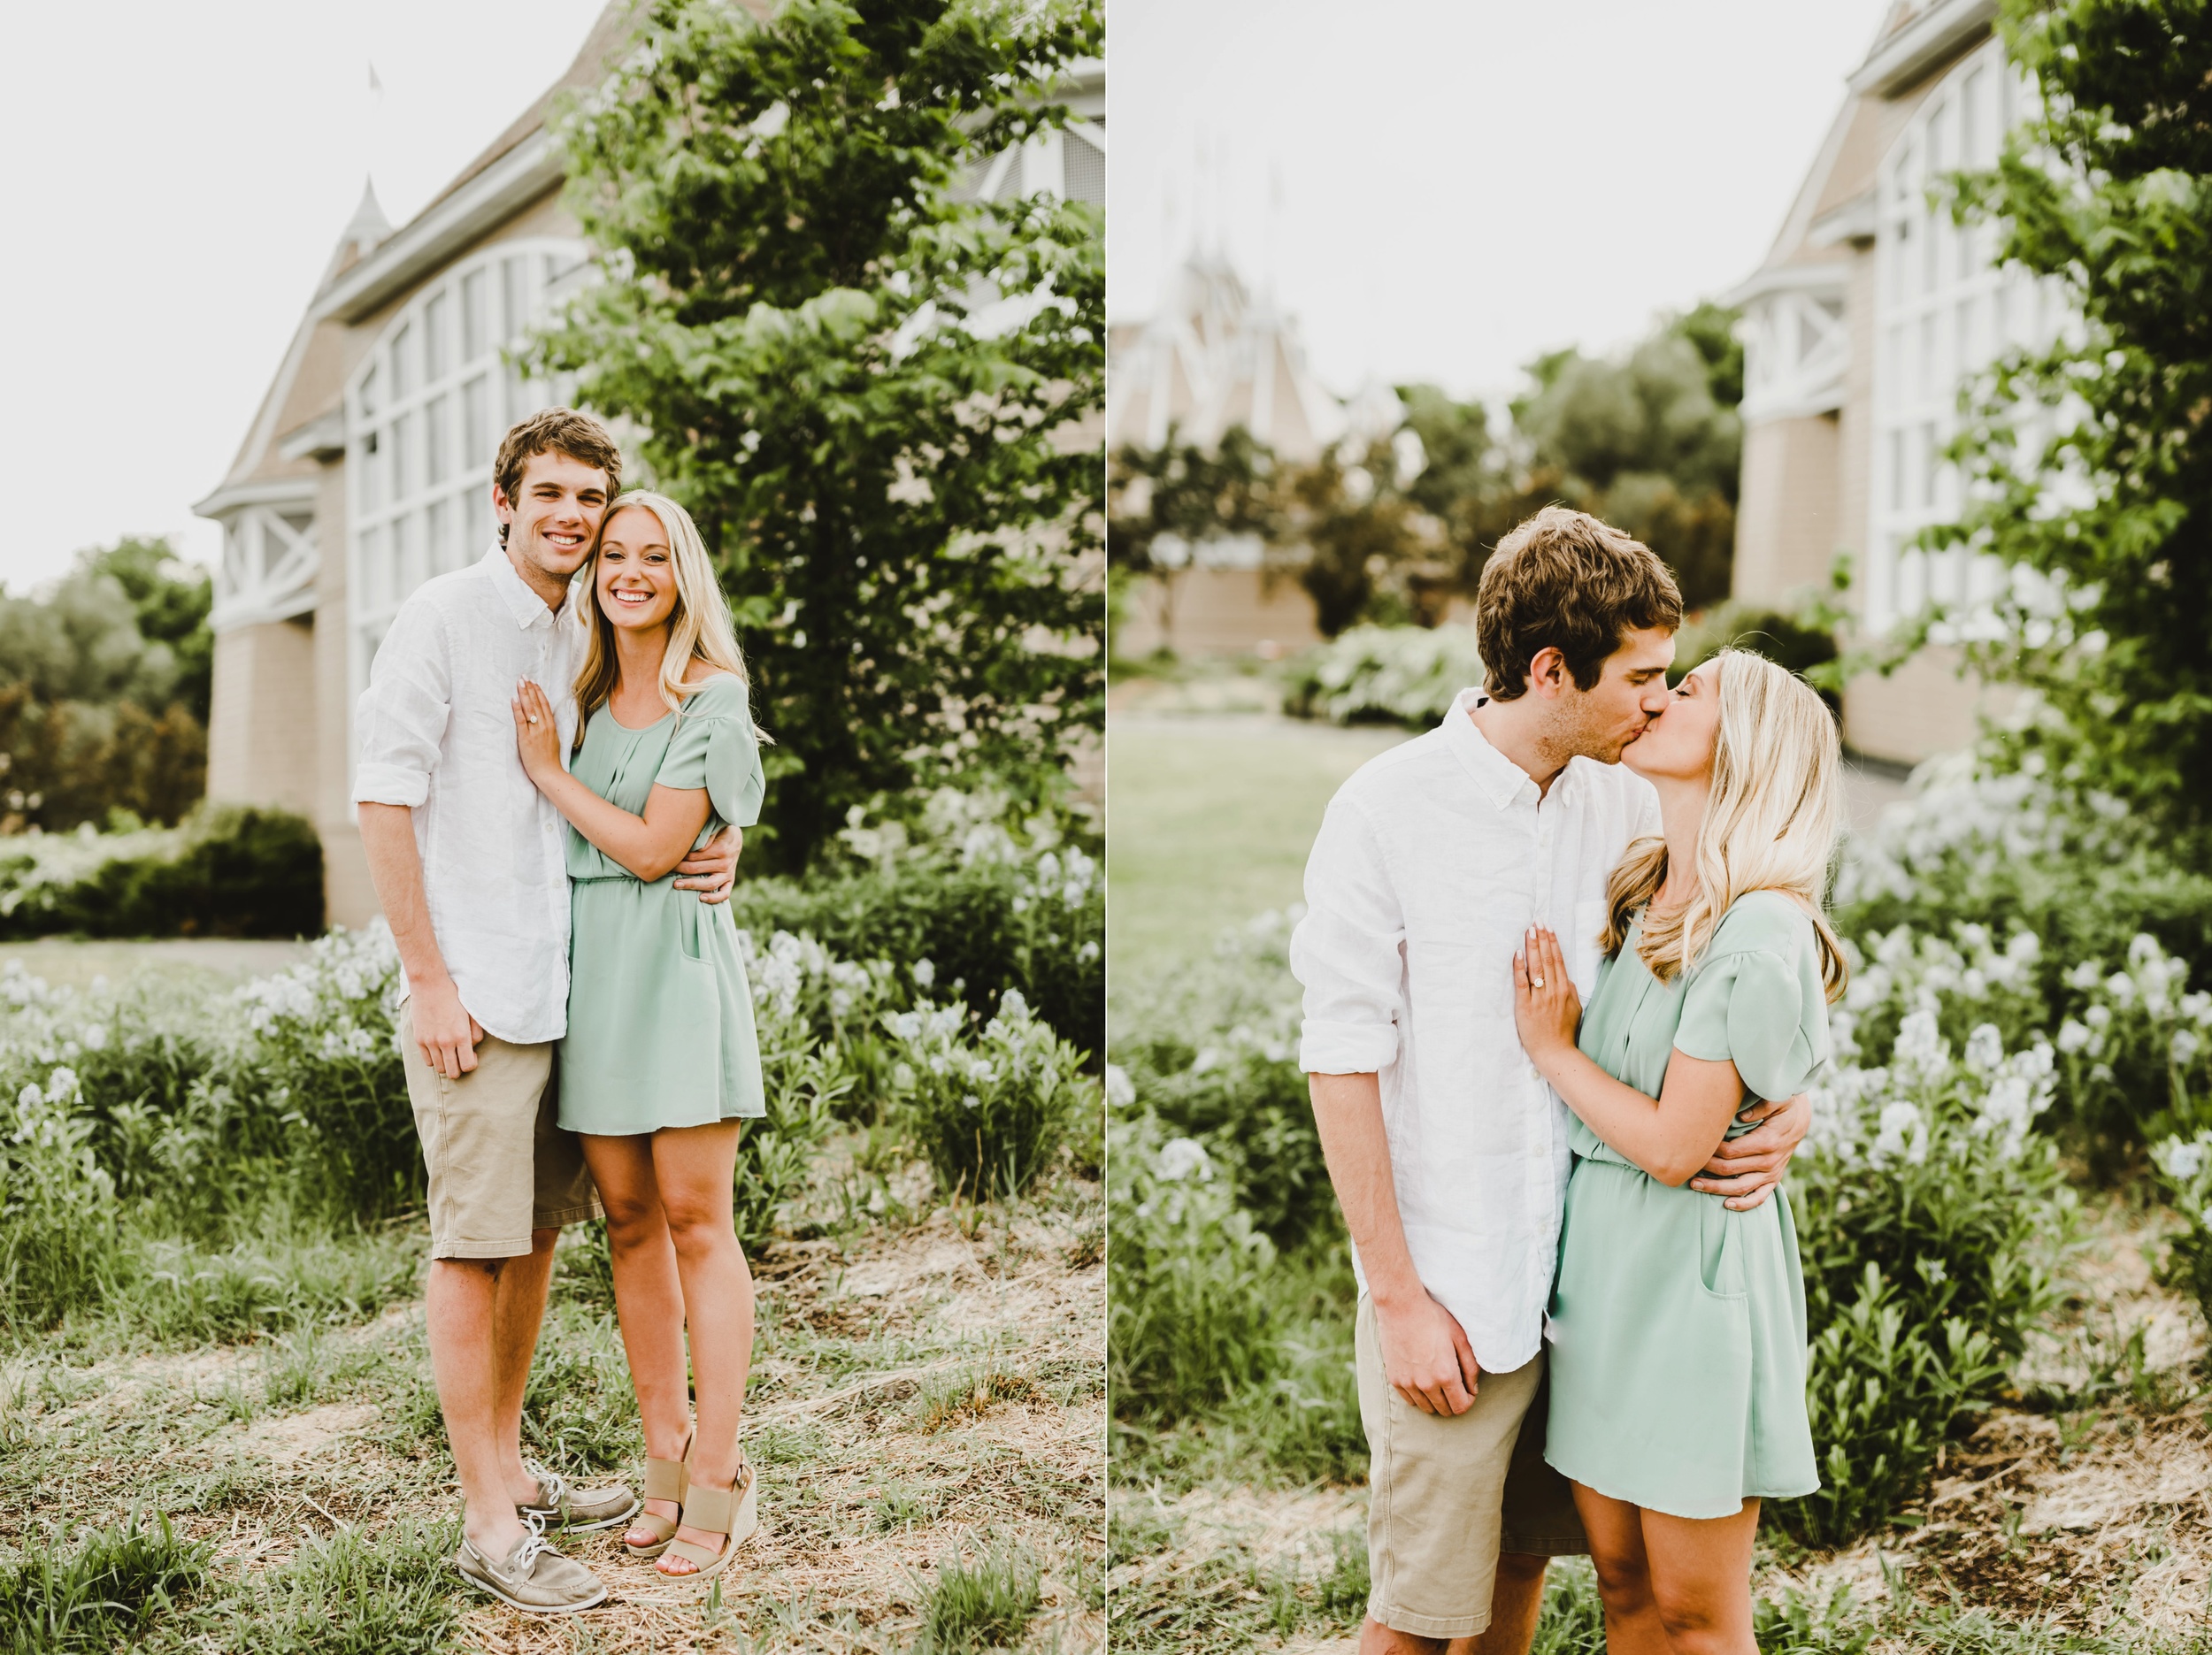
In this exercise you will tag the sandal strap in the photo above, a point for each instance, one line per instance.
(697, 1555)
(663, 1530)
(664, 1479)
(710, 1510)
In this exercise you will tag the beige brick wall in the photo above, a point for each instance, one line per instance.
(1787, 526)
(1923, 708)
(1218, 612)
(261, 728)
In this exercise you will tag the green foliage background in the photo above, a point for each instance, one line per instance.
(868, 391)
(2106, 190)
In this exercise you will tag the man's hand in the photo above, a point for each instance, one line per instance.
(1747, 1169)
(1426, 1357)
(711, 869)
(443, 1027)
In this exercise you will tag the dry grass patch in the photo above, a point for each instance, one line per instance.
(927, 1399)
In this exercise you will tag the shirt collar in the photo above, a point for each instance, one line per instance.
(525, 606)
(1500, 778)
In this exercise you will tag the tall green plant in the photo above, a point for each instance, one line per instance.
(866, 388)
(2105, 191)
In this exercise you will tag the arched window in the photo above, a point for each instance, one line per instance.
(1943, 312)
(426, 410)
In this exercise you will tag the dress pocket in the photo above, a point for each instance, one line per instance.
(1720, 1248)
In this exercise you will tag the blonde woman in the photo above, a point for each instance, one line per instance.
(661, 1061)
(1676, 1327)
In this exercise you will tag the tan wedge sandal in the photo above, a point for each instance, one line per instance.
(665, 1480)
(733, 1513)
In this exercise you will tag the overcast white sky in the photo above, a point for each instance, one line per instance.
(178, 176)
(1465, 183)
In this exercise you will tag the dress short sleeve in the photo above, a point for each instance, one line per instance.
(1751, 1002)
(714, 747)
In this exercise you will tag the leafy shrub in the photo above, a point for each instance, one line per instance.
(1384, 674)
(1928, 1212)
(1780, 638)
(1214, 1056)
(58, 1211)
(2099, 897)
(774, 1152)
(2185, 1166)
(229, 871)
(990, 1115)
(324, 1050)
(981, 910)
(1189, 1323)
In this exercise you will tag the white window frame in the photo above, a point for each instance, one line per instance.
(1943, 310)
(447, 491)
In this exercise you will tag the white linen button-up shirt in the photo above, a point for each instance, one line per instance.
(437, 732)
(1433, 861)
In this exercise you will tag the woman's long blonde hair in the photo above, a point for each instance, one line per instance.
(699, 629)
(1771, 823)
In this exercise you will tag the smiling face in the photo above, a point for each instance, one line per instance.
(635, 578)
(556, 511)
(1604, 721)
(1679, 744)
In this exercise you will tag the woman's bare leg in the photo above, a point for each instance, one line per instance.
(648, 1299)
(1633, 1626)
(693, 1166)
(1700, 1578)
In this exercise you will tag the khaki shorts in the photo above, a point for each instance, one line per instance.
(499, 1165)
(1446, 1496)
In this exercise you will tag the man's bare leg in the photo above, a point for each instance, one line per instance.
(461, 1304)
(519, 1312)
(1516, 1602)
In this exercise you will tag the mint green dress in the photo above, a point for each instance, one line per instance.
(1677, 1331)
(660, 1015)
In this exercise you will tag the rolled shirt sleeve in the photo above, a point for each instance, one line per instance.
(1348, 952)
(401, 722)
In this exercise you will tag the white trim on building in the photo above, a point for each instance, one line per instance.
(1942, 312)
(425, 412)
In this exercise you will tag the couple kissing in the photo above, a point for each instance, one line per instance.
(1567, 977)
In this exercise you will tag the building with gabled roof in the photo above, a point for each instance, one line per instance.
(1212, 357)
(1869, 311)
(367, 468)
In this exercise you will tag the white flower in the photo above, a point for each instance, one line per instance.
(969, 1101)
(1900, 1131)
(30, 1097)
(1920, 1047)
(2181, 1159)
(1984, 1048)
(2072, 1037)
(924, 973)
(2098, 1017)
(1181, 1157)
(1121, 1091)
(2185, 1047)
(1087, 952)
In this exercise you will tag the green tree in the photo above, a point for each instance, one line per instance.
(869, 391)
(2106, 190)
(170, 599)
(1644, 441)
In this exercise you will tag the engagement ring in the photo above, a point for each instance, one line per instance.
(533, 717)
(1534, 982)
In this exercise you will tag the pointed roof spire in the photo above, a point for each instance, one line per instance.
(369, 225)
(367, 228)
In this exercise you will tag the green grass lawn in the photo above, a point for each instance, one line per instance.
(1209, 820)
